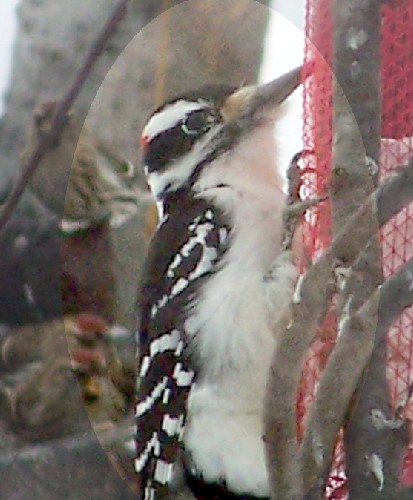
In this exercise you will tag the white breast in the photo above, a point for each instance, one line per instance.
(231, 322)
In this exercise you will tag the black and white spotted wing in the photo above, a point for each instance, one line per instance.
(185, 250)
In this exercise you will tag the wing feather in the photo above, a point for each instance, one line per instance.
(192, 237)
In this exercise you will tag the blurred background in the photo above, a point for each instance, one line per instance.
(283, 49)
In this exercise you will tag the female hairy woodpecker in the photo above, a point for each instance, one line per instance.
(207, 305)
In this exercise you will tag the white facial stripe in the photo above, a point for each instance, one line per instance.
(177, 173)
(169, 117)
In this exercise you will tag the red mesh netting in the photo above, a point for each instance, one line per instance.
(396, 149)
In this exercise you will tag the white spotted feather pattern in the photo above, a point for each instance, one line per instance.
(166, 374)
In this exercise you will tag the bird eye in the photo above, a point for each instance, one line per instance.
(198, 122)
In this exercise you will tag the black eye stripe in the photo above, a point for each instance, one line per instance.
(167, 146)
(175, 142)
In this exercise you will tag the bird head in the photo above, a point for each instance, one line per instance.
(194, 129)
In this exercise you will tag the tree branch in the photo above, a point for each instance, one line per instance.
(63, 108)
(312, 293)
(354, 346)
(356, 148)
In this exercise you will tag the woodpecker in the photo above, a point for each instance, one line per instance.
(214, 283)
